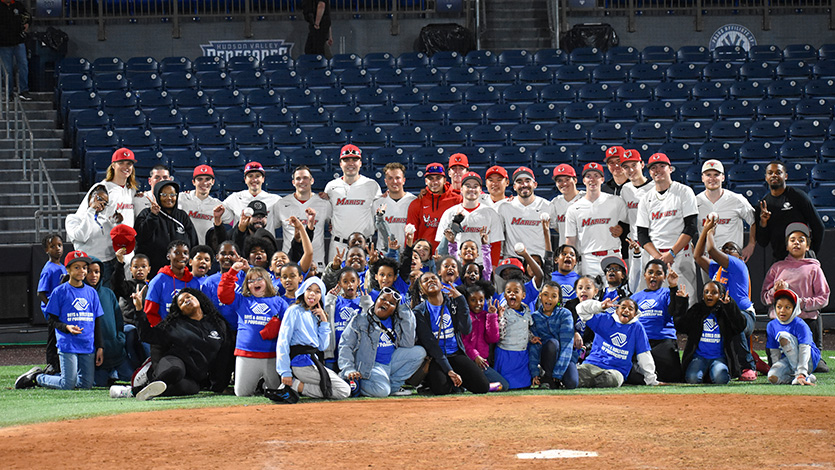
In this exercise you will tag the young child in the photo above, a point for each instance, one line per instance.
(387, 273)
(51, 274)
(512, 349)
(554, 352)
(653, 313)
(618, 338)
(512, 268)
(565, 275)
(616, 278)
(715, 320)
(74, 312)
(449, 270)
(585, 288)
(468, 254)
(794, 354)
(304, 333)
(342, 303)
(140, 268)
(259, 311)
(115, 363)
(201, 262)
(169, 280)
(485, 331)
(227, 255)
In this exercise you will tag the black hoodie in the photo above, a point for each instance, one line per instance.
(155, 231)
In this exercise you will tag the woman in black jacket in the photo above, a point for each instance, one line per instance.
(195, 347)
(162, 223)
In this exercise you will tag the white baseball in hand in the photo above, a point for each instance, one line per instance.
(544, 216)
(713, 216)
(409, 229)
(519, 247)
(248, 212)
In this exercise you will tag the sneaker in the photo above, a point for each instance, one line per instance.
(24, 96)
(402, 392)
(51, 370)
(29, 379)
(141, 376)
(748, 375)
(282, 394)
(822, 367)
(152, 390)
(121, 391)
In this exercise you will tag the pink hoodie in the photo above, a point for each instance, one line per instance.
(806, 278)
(485, 331)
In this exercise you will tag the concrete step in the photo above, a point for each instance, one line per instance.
(40, 143)
(9, 162)
(22, 187)
(67, 198)
(19, 223)
(43, 115)
(56, 174)
(45, 153)
(48, 133)
(18, 237)
(42, 123)
(35, 105)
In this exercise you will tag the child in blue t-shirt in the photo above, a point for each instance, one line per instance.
(789, 342)
(74, 311)
(51, 274)
(565, 275)
(342, 303)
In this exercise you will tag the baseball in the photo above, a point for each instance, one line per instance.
(545, 216)
(248, 212)
(519, 247)
(409, 229)
(713, 216)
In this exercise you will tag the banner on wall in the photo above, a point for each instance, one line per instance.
(733, 35)
(255, 48)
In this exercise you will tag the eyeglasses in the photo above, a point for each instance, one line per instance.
(392, 292)
(613, 269)
(172, 196)
(101, 199)
(254, 280)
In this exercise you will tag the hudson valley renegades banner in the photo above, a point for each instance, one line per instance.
(255, 48)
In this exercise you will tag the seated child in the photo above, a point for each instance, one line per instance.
(485, 331)
(554, 353)
(789, 342)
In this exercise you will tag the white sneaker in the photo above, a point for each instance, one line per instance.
(121, 391)
(402, 392)
(141, 375)
(152, 390)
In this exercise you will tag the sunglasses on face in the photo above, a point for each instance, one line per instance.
(389, 291)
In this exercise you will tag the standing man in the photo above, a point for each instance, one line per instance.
(667, 222)
(317, 13)
(14, 24)
(496, 181)
(297, 204)
(594, 222)
(477, 218)
(522, 215)
(236, 202)
(199, 205)
(632, 193)
(731, 209)
(425, 212)
(393, 206)
(351, 197)
(566, 180)
(619, 178)
(781, 206)
(458, 167)
(143, 200)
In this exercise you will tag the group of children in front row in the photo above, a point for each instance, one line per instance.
(374, 323)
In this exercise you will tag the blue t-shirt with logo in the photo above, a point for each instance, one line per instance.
(79, 306)
(615, 343)
(163, 288)
(253, 315)
(797, 328)
(653, 311)
(209, 287)
(441, 322)
(566, 282)
(735, 279)
(343, 312)
(385, 348)
(710, 344)
(51, 275)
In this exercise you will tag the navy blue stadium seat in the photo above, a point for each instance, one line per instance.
(823, 174)
(239, 118)
(277, 62)
(498, 76)
(693, 55)
(407, 97)
(129, 119)
(242, 62)
(513, 156)
(529, 134)
(213, 80)
(649, 73)
(813, 130)
(608, 133)
(734, 54)
(586, 113)
(312, 118)
(446, 60)
(409, 137)
(426, 78)
(488, 135)
(763, 71)
(800, 52)
(619, 111)
(248, 80)
(286, 139)
(319, 79)
(212, 139)
(680, 153)
(161, 119)
(552, 155)
(72, 65)
(688, 73)
(558, 93)
(747, 173)
(462, 77)
(138, 139)
(765, 52)
(176, 139)
(802, 151)
(480, 59)
(752, 91)
(445, 95)
(523, 94)
(664, 111)
(573, 73)
(676, 92)
(702, 111)
(308, 62)
(270, 158)
(613, 74)
(827, 217)
(799, 172)
(826, 52)
(536, 74)
(383, 156)
(623, 55)
(378, 60)
(589, 56)
(726, 72)
(598, 93)
(465, 115)
(504, 114)
(188, 99)
(299, 98)
(341, 62)
(328, 139)
(786, 89)
(735, 132)
(387, 117)
(283, 79)
(771, 131)
(107, 64)
(759, 151)
(251, 138)
(369, 136)
(273, 118)
(825, 69)
(422, 157)
(823, 196)
(117, 100)
(334, 97)
(225, 99)
(692, 132)
(516, 58)
(723, 151)
(589, 153)
(177, 81)
(633, 92)
(793, 70)
(349, 118)
(542, 113)
(820, 89)
(550, 57)
(655, 133)
(145, 82)
(482, 95)
(201, 118)
(737, 110)
(775, 108)
(569, 134)
(392, 79)
(105, 82)
(713, 91)
(426, 116)
(315, 158)
(223, 158)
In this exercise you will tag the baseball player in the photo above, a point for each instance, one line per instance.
(566, 180)
(425, 212)
(594, 221)
(297, 204)
(458, 167)
(522, 215)
(496, 181)
(619, 177)
(199, 205)
(236, 202)
(394, 204)
(667, 221)
(631, 193)
(730, 208)
(351, 197)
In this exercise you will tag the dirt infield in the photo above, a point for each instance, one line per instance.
(626, 431)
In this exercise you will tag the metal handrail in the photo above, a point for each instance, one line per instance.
(52, 194)
(50, 221)
(24, 145)
(4, 99)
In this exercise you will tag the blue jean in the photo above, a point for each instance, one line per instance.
(136, 350)
(387, 377)
(13, 54)
(123, 372)
(494, 376)
(717, 370)
(76, 372)
(548, 360)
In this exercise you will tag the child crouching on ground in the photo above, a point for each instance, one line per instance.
(790, 345)
(554, 353)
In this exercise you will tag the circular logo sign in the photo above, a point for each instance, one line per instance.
(733, 35)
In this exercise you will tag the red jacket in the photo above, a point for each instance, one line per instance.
(425, 212)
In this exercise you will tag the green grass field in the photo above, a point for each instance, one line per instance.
(40, 405)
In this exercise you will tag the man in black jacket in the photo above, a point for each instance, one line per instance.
(14, 24)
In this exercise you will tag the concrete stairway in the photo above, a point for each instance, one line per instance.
(17, 208)
(516, 24)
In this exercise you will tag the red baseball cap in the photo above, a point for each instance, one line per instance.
(613, 151)
(123, 154)
(434, 169)
(508, 263)
(471, 175)
(458, 159)
(657, 158)
(630, 155)
(76, 255)
(350, 151)
(593, 166)
(203, 170)
(496, 170)
(564, 169)
(523, 171)
(123, 236)
(254, 166)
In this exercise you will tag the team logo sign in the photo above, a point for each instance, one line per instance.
(733, 35)
(80, 304)
(618, 339)
(257, 49)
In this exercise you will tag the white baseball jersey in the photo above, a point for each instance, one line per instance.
(289, 206)
(486, 200)
(351, 206)
(732, 209)
(590, 222)
(523, 224)
(663, 214)
(559, 206)
(235, 203)
(396, 212)
(631, 196)
(474, 221)
(200, 211)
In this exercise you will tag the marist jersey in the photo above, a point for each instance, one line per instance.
(237, 202)
(396, 213)
(732, 209)
(631, 196)
(474, 221)
(201, 213)
(523, 224)
(289, 206)
(663, 214)
(559, 206)
(590, 222)
(351, 206)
